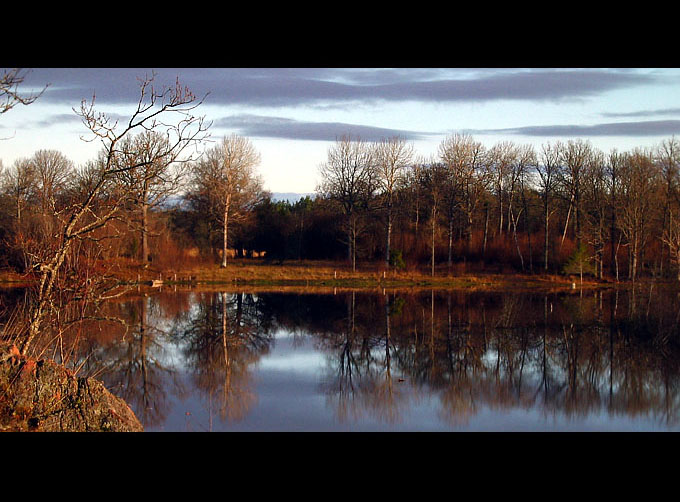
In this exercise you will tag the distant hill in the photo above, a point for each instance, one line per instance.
(291, 197)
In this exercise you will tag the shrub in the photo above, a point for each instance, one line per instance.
(579, 263)
(397, 259)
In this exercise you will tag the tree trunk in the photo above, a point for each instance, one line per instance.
(388, 237)
(468, 231)
(434, 213)
(349, 238)
(634, 260)
(417, 216)
(354, 247)
(500, 214)
(450, 259)
(566, 224)
(486, 228)
(528, 231)
(225, 230)
(546, 241)
(577, 220)
(49, 273)
(513, 219)
(145, 234)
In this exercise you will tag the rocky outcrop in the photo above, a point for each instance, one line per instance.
(41, 395)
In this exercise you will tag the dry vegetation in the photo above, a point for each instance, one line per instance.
(240, 273)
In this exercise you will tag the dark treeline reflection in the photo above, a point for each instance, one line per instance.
(611, 353)
(571, 355)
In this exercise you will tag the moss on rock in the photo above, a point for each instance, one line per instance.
(41, 395)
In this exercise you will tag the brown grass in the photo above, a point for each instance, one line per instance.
(334, 275)
(12, 279)
(326, 276)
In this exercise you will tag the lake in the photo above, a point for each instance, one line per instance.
(199, 360)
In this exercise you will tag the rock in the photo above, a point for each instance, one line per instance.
(41, 395)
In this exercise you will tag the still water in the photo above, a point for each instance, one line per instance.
(395, 361)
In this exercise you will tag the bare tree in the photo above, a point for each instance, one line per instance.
(547, 170)
(52, 171)
(615, 162)
(434, 178)
(525, 157)
(225, 177)
(392, 157)
(80, 221)
(452, 199)
(671, 237)
(574, 156)
(36, 187)
(160, 174)
(415, 195)
(19, 185)
(348, 178)
(638, 185)
(500, 160)
(464, 157)
(596, 207)
(667, 156)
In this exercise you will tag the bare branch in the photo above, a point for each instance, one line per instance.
(10, 96)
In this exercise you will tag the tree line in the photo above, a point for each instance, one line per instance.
(566, 207)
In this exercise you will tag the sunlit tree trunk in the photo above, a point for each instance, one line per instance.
(145, 234)
(225, 231)
(433, 224)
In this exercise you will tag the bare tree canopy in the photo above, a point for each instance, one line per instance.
(392, 157)
(10, 95)
(226, 179)
(160, 174)
(348, 177)
(101, 200)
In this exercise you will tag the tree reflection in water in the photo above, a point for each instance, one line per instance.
(565, 357)
(223, 338)
(360, 353)
(136, 366)
(568, 355)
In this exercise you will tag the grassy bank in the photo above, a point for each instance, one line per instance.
(10, 278)
(299, 274)
(339, 275)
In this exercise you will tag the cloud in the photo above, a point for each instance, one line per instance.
(288, 89)
(279, 87)
(643, 113)
(60, 119)
(57, 119)
(632, 129)
(284, 128)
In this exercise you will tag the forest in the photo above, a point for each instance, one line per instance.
(567, 208)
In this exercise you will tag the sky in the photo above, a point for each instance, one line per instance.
(293, 115)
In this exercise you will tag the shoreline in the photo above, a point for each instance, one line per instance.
(295, 275)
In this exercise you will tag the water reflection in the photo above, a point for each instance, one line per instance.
(137, 367)
(450, 360)
(223, 337)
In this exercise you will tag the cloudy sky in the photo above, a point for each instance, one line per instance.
(292, 115)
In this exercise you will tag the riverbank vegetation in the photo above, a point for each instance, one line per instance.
(608, 217)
